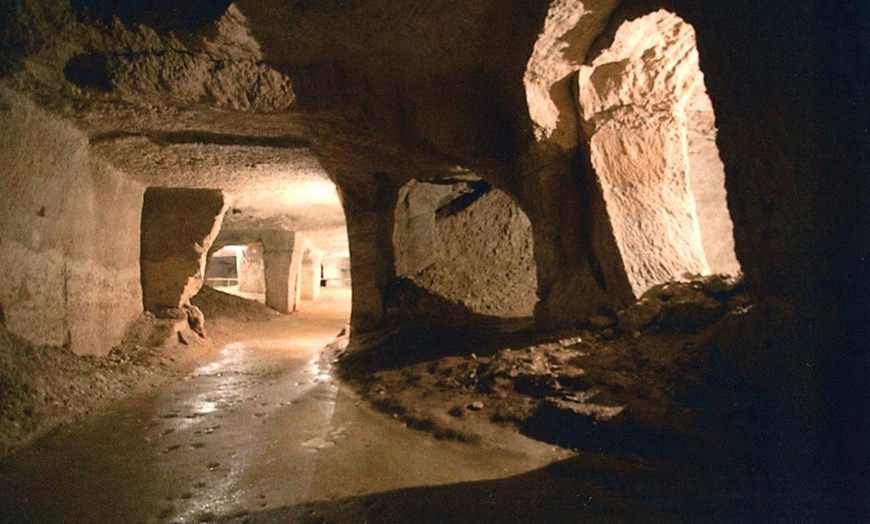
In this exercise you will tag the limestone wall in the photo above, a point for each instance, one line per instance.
(178, 228)
(479, 256)
(69, 234)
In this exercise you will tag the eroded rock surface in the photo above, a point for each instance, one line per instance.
(470, 244)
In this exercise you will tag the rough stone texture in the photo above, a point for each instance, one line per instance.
(632, 100)
(553, 195)
(69, 225)
(707, 183)
(188, 77)
(251, 273)
(178, 228)
(386, 91)
(569, 31)
(468, 245)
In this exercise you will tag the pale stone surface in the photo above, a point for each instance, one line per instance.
(70, 261)
(569, 31)
(310, 275)
(632, 99)
(282, 258)
(32, 293)
(251, 273)
(707, 182)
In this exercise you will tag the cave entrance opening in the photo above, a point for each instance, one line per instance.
(651, 134)
(462, 247)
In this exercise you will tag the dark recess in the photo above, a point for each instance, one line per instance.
(89, 70)
(163, 15)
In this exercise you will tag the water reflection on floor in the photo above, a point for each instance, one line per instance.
(262, 426)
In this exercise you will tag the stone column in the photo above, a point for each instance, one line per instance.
(632, 102)
(370, 210)
(251, 279)
(178, 228)
(282, 253)
(310, 278)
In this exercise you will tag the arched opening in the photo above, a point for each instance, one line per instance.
(238, 270)
(650, 131)
(284, 248)
(467, 243)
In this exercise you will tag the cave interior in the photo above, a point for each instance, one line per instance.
(606, 168)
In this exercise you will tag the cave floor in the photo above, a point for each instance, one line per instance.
(261, 431)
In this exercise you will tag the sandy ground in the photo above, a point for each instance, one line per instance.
(263, 425)
(258, 431)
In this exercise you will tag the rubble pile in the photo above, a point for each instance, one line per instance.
(636, 381)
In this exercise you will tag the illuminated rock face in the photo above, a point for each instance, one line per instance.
(178, 228)
(632, 100)
(467, 243)
(556, 104)
(69, 234)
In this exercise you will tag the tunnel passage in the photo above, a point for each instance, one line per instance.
(468, 243)
(238, 270)
(298, 272)
(650, 133)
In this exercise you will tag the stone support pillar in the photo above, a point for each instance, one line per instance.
(178, 228)
(632, 102)
(282, 254)
(310, 275)
(251, 279)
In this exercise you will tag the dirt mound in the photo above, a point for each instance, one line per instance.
(646, 381)
(42, 387)
(217, 304)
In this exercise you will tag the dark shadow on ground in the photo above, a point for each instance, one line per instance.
(587, 488)
(391, 349)
(420, 326)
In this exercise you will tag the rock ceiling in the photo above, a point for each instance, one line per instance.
(257, 97)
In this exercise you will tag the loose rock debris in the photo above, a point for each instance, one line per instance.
(638, 381)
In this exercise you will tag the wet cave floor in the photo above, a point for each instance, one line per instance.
(581, 426)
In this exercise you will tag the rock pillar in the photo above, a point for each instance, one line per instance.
(282, 253)
(251, 279)
(178, 228)
(632, 100)
(310, 275)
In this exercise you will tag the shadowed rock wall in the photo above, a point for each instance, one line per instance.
(783, 79)
(467, 243)
(69, 249)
